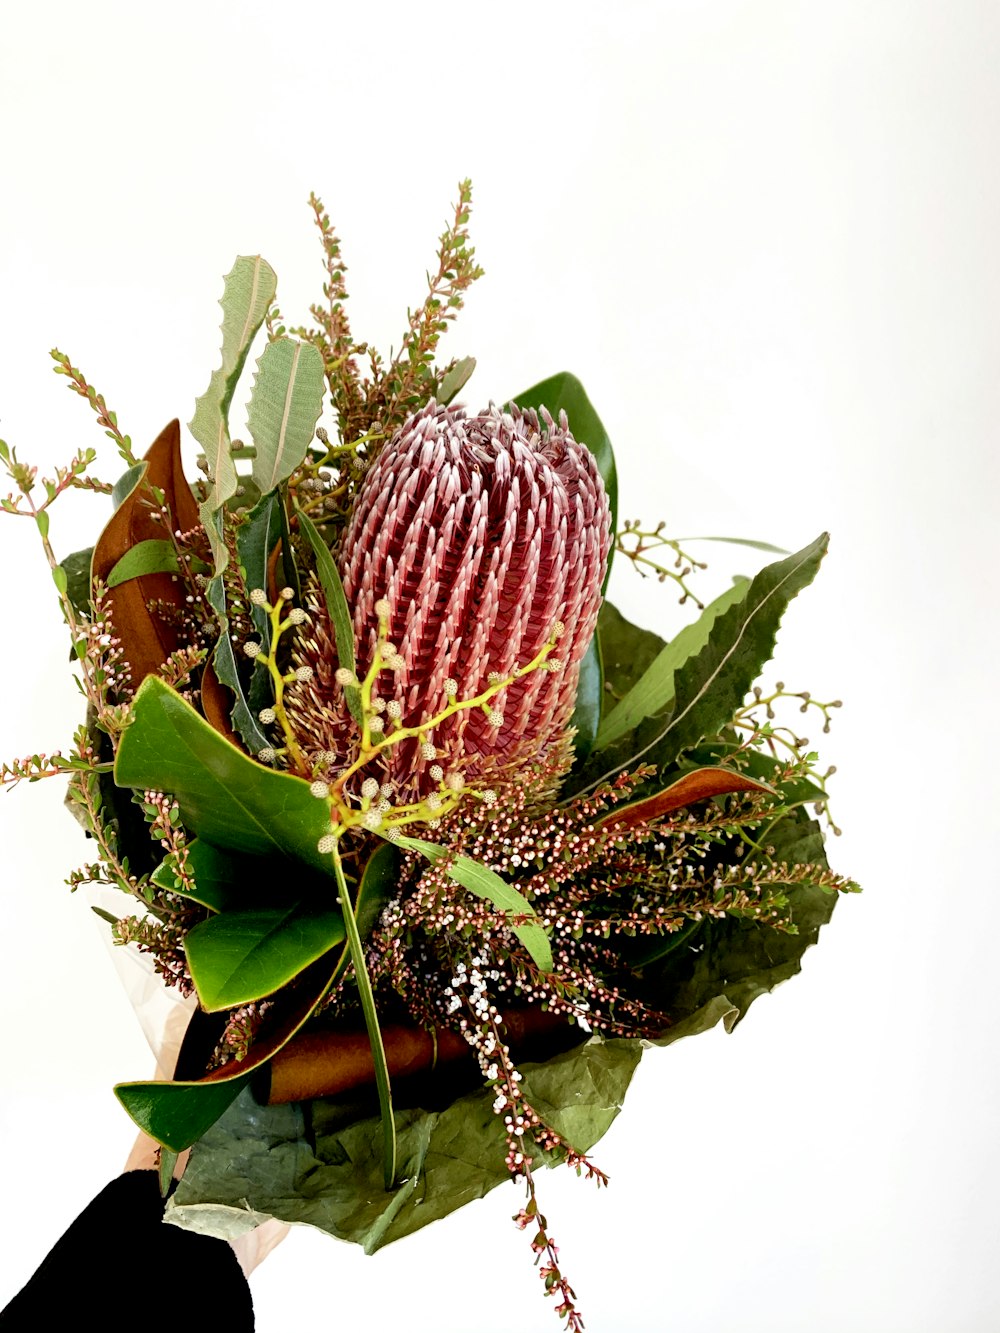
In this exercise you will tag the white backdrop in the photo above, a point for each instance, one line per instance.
(764, 236)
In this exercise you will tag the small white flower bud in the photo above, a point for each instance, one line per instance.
(385, 791)
(376, 725)
(373, 820)
(391, 834)
(378, 704)
(495, 677)
(427, 751)
(267, 755)
(454, 781)
(287, 594)
(326, 844)
(369, 788)
(436, 772)
(343, 676)
(432, 801)
(382, 609)
(450, 688)
(303, 673)
(319, 789)
(394, 708)
(251, 648)
(396, 662)
(553, 664)
(558, 630)
(297, 616)
(258, 596)
(267, 716)
(488, 797)
(388, 650)
(494, 717)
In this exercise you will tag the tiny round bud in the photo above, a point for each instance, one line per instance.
(488, 797)
(396, 662)
(369, 788)
(343, 676)
(454, 781)
(388, 650)
(394, 708)
(450, 688)
(378, 704)
(258, 596)
(376, 725)
(382, 805)
(319, 789)
(494, 678)
(287, 594)
(303, 673)
(372, 819)
(267, 755)
(252, 648)
(427, 750)
(558, 630)
(436, 772)
(391, 834)
(432, 801)
(297, 616)
(385, 791)
(267, 716)
(326, 844)
(382, 609)
(554, 664)
(494, 717)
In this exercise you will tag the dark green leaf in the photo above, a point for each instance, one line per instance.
(243, 716)
(178, 1114)
(379, 883)
(336, 605)
(245, 955)
(456, 379)
(565, 393)
(77, 567)
(256, 538)
(149, 557)
(653, 692)
(224, 796)
(486, 883)
(587, 711)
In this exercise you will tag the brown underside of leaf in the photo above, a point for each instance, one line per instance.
(217, 704)
(327, 1064)
(696, 786)
(145, 639)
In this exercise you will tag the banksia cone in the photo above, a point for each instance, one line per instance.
(481, 534)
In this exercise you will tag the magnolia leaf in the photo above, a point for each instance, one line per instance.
(222, 880)
(653, 692)
(244, 955)
(486, 883)
(128, 481)
(147, 640)
(455, 379)
(77, 568)
(177, 1114)
(697, 785)
(336, 605)
(225, 797)
(285, 404)
(249, 290)
(587, 709)
(154, 556)
(565, 393)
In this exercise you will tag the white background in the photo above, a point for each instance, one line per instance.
(764, 236)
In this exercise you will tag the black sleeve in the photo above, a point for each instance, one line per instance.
(121, 1264)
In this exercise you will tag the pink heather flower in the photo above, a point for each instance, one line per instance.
(481, 533)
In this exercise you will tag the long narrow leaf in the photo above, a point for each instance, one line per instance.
(336, 604)
(487, 884)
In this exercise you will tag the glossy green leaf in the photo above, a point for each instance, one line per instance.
(256, 538)
(148, 557)
(653, 692)
(178, 1114)
(224, 796)
(336, 605)
(487, 884)
(564, 393)
(379, 883)
(126, 484)
(244, 717)
(285, 404)
(219, 877)
(242, 955)
(77, 567)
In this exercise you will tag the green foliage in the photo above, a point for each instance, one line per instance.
(487, 884)
(224, 796)
(246, 954)
(77, 567)
(178, 1114)
(336, 605)
(148, 557)
(285, 405)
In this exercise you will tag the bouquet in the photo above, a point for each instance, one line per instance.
(439, 840)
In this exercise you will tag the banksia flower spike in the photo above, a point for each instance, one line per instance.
(480, 536)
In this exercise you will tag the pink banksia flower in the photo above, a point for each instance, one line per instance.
(479, 535)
